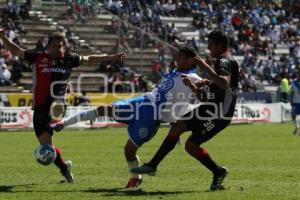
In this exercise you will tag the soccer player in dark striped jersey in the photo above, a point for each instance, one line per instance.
(218, 99)
(51, 74)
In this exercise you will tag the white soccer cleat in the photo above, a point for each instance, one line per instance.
(68, 173)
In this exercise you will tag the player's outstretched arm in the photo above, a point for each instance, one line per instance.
(10, 46)
(94, 59)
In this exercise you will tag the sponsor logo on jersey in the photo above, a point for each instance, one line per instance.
(166, 85)
(54, 70)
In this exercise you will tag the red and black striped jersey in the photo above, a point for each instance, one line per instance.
(50, 76)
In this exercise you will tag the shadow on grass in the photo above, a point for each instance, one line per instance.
(10, 188)
(28, 188)
(135, 192)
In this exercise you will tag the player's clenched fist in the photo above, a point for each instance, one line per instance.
(120, 57)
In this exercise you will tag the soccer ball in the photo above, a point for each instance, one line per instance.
(45, 154)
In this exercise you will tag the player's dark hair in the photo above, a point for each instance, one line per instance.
(218, 37)
(57, 36)
(188, 52)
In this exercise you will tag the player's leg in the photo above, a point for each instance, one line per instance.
(207, 130)
(91, 114)
(165, 148)
(64, 166)
(133, 161)
(142, 129)
(44, 135)
(296, 118)
(120, 111)
(297, 124)
(293, 115)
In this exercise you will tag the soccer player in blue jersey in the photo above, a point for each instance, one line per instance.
(170, 100)
(295, 103)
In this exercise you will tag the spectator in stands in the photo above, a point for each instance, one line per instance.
(114, 25)
(134, 81)
(24, 11)
(156, 71)
(147, 14)
(79, 12)
(194, 6)
(42, 44)
(117, 82)
(158, 8)
(83, 99)
(70, 14)
(122, 45)
(237, 21)
(169, 8)
(274, 34)
(115, 7)
(17, 68)
(250, 84)
(143, 84)
(184, 8)
(284, 88)
(135, 18)
(296, 49)
(4, 74)
(193, 44)
(161, 53)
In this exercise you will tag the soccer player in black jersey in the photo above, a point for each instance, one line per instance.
(51, 74)
(215, 114)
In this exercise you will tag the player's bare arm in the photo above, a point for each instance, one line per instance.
(10, 46)
(93, 59)
(219, 80)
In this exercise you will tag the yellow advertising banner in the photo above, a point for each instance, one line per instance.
(25, 99)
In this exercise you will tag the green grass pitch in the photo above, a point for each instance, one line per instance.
(263, 160)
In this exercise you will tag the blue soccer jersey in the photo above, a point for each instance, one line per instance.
(169, 100)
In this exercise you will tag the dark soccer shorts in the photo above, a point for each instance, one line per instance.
(41, 119)
(204, 128)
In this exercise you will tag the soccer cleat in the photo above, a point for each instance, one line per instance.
(57, 125)
(68, 174)
(134, 182)
(144, 169)
(218, 179)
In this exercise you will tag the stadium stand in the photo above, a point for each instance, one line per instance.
(266, 35)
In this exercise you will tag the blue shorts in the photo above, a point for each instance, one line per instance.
(296, 109)
(140, 115)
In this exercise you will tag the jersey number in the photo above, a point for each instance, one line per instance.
(209, 125)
